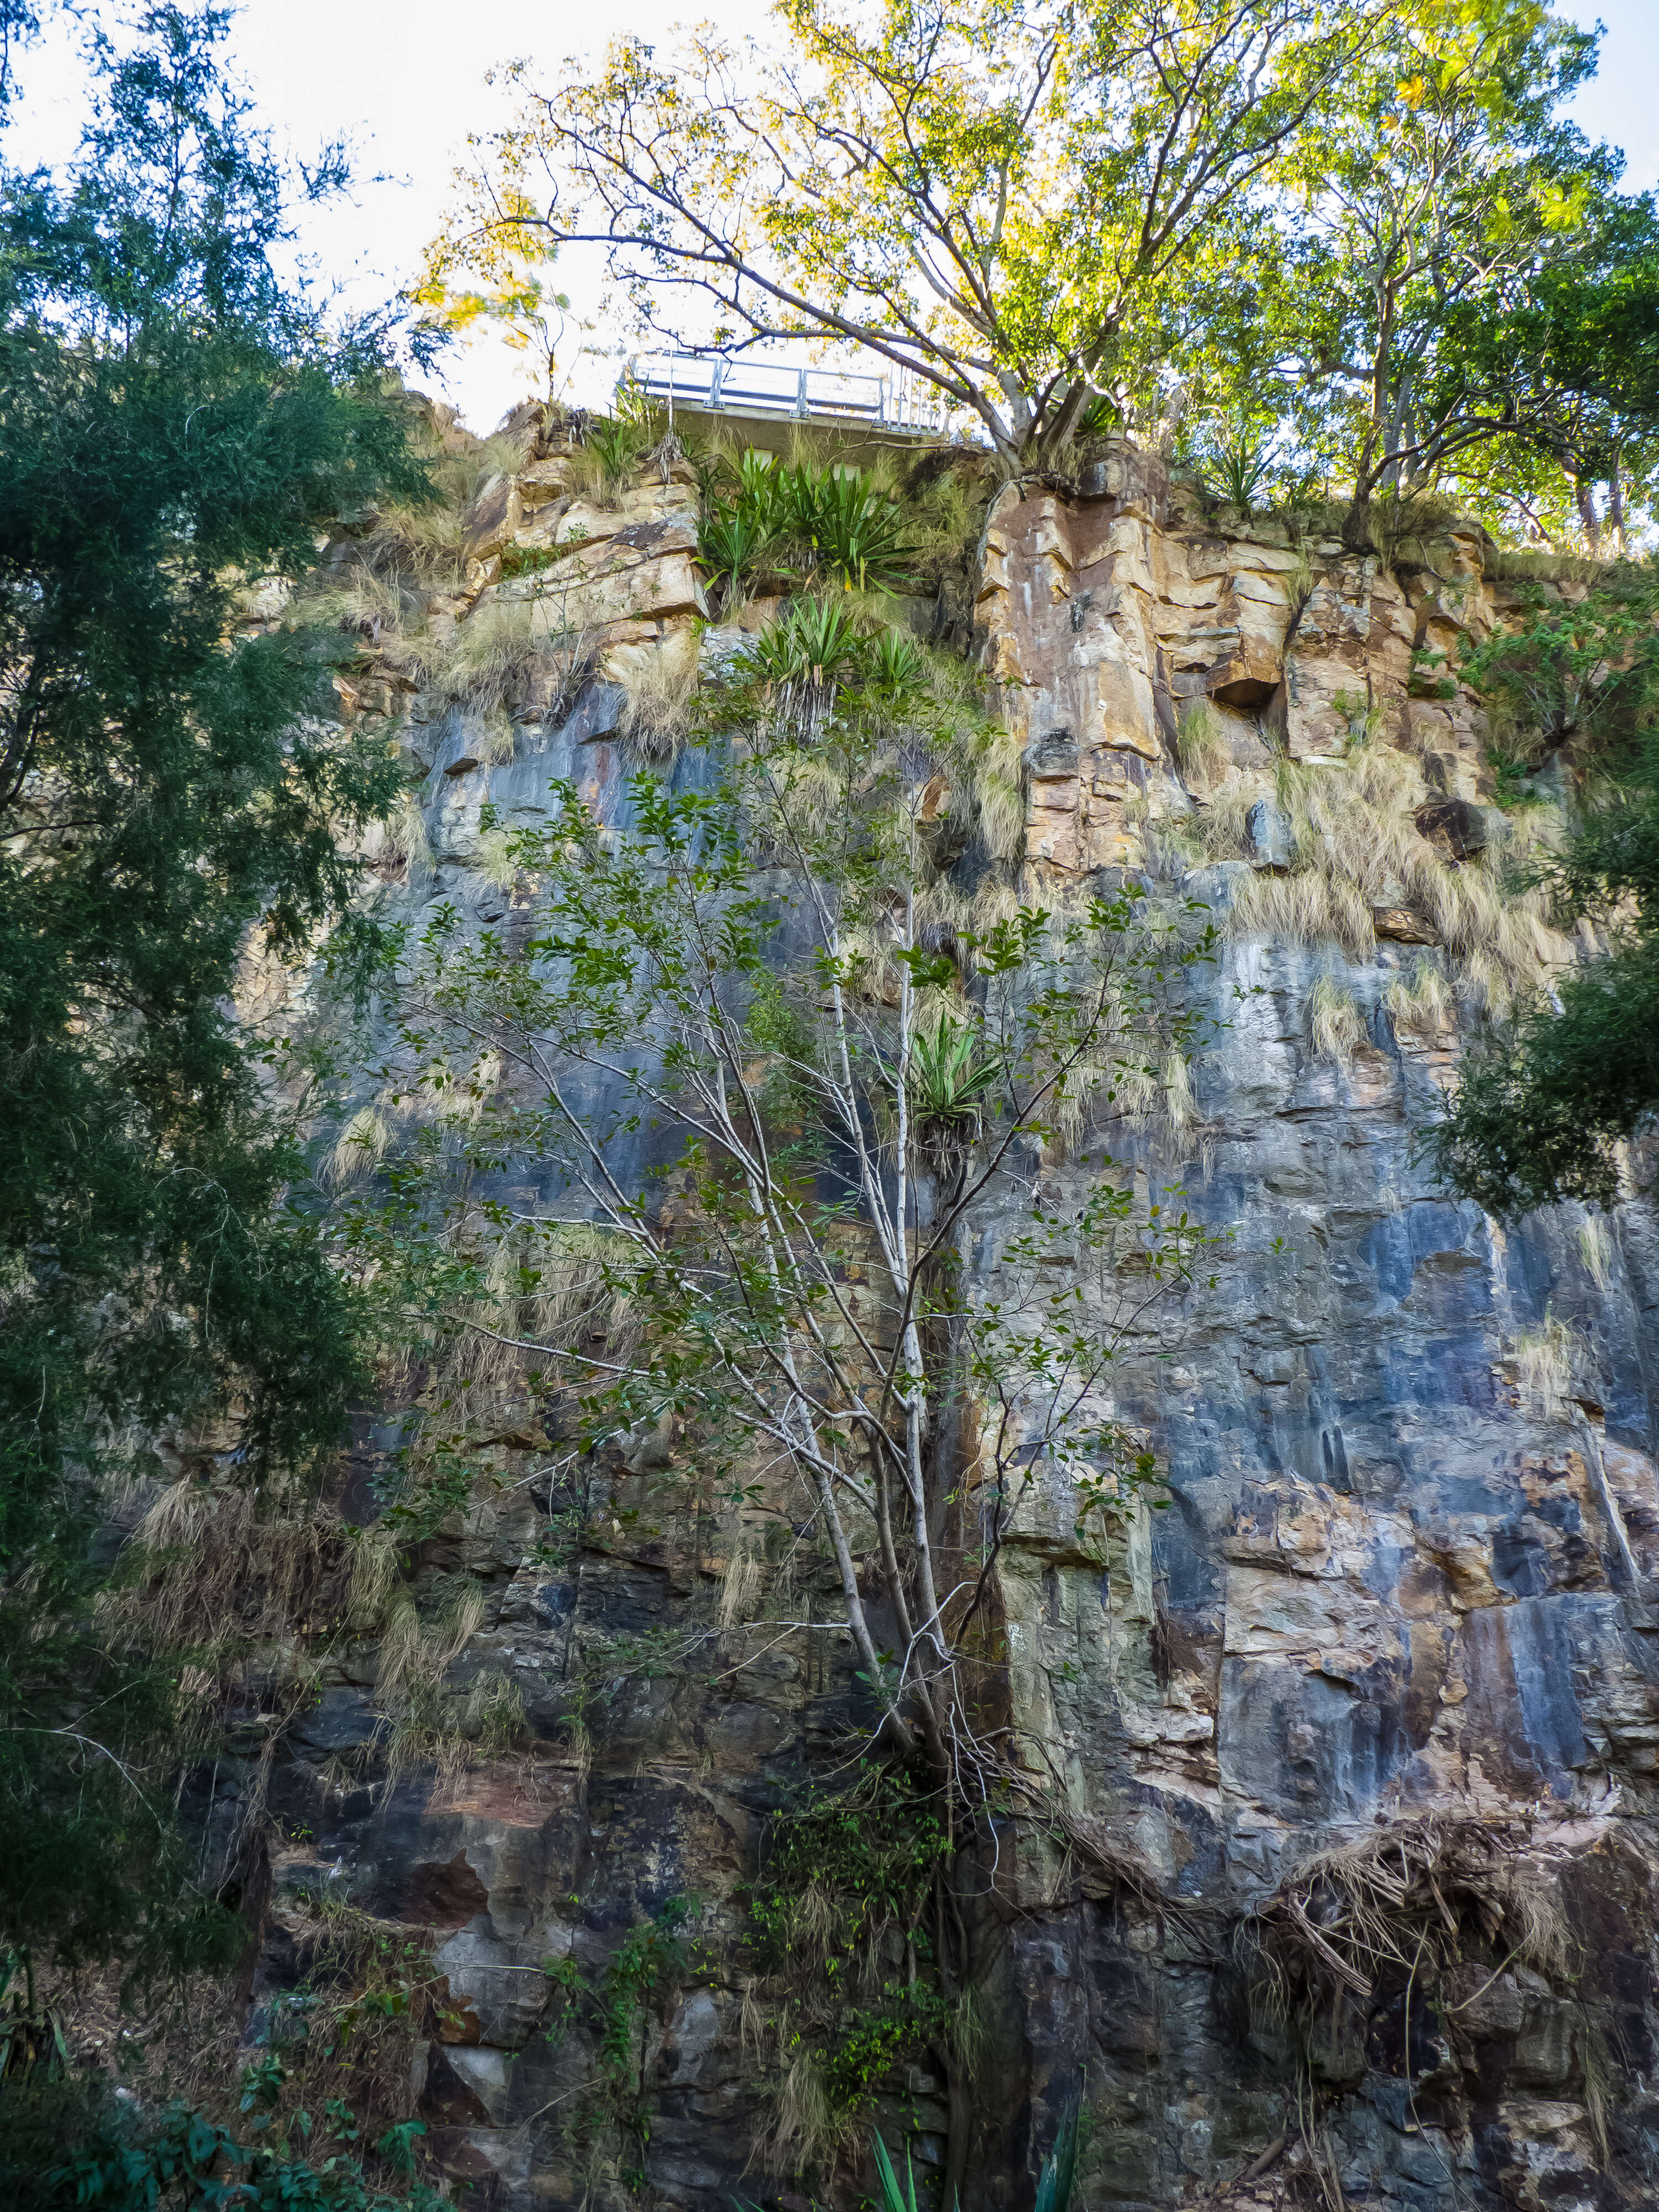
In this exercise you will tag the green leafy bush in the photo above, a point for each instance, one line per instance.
(1585, 671)
(190, 2162)
(528, 559)
(840, 1868)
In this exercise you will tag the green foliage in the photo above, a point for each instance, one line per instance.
(815, 644)
(1543, 1106)
(648, 1965)
(840, 1869)
(951, 1080)
(650, 1959)
(893, 2198)
(1364, 238)
(894, 674)
(189, 2162)
(1058, 2176)
(844, 1877)
(821, 656)
(1584, 669)
(853, 532)
(529, 560)
(177, 427)
(1445, 288)
(1017, 213)
(827, 523)
(875, 2037)
(1428, 678)
(367, 1983)
(33, 2043)
(1237, 468)
(617, 446)
(732, 545)
(1512, 786)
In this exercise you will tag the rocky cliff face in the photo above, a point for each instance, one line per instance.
(1399, 1608)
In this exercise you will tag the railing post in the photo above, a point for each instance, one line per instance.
(714, 384)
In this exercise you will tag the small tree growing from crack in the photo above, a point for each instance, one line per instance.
(748, 985)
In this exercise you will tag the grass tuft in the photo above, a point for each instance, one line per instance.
(1336, 1028)
(1201, 750)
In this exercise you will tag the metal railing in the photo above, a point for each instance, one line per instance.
(740, 387)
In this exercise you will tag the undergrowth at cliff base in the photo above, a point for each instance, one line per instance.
(607, 2119)
(859, 1950)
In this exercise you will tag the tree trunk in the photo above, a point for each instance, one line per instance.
(1357, 536)
(1585, 493)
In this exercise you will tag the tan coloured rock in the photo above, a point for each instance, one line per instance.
(1388, 1588)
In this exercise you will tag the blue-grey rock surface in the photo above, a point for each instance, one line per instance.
(1407, 1579)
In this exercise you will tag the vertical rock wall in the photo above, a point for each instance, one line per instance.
(1406, 1572)
(1408, 1569)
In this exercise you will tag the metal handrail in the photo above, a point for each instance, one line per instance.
(772, 388)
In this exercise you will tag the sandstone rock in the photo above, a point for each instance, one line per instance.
(1463, 830)
(1402, 925)
(1390, 1585)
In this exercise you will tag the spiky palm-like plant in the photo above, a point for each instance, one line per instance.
(731, 545)
(951, 1082)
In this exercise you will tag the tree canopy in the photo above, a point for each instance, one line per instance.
(176, 426)
(1452, 276)
(1362, 239)
(998, 197)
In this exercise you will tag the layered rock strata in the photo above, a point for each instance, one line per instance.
(1407, 1574)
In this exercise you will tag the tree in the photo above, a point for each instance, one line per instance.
(745, 980)
(801, 1114)
(1575, 360)
(1002, 197)
(19, 23)
(1451, 272)
(510, 288)
(176, 428)
(1543, 1108)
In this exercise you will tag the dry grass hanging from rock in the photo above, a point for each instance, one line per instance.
(1406, 1902)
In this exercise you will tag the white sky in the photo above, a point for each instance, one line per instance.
(405, 79)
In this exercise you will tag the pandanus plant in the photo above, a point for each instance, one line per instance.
(949, 1082)
(895, 669)
(1237, 470)
(834, 524)
(812, 650)
(817, 648)
(855, 533)
(1056, 2183)
(731, 545)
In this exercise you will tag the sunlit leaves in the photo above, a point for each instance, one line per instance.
(1002, 197)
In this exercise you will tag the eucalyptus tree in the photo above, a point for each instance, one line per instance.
(1448, 282)
(1001, 197)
